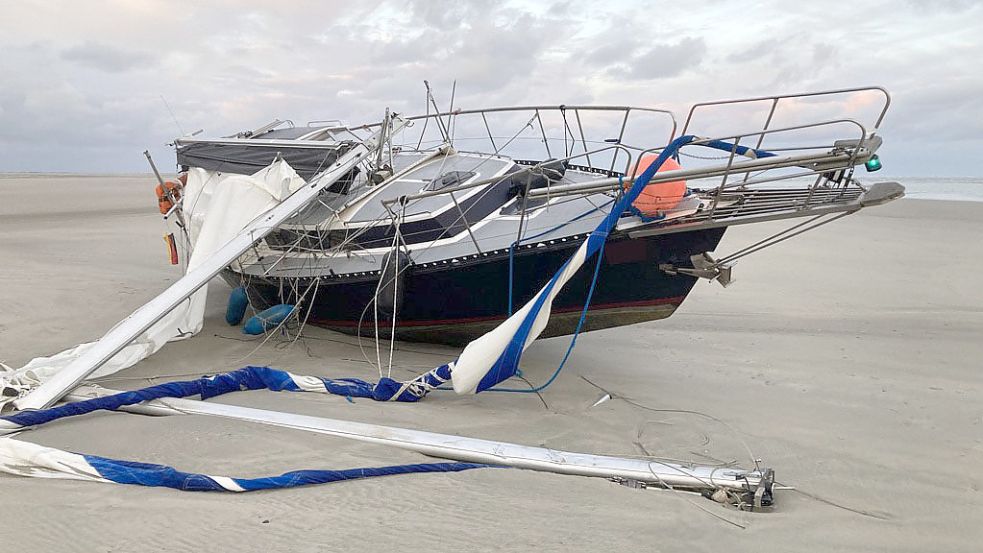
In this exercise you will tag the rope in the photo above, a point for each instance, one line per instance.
(394, 255)
(576, 332)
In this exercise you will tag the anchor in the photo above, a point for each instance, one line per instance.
(704, 266)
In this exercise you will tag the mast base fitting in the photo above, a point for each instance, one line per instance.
(754, 497)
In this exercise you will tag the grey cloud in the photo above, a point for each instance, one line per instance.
(823, 53)
(755, 51)
(662, 61)
(561, 9)
(955, 113)
(69, 102)
(449, 14)
(919, 6)
(612, 51)
(106, 58)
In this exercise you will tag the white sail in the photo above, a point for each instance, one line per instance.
(217, 207)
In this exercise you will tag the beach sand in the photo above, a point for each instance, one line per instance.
(848, 359)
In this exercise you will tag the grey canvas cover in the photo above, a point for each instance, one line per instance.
(244, 158)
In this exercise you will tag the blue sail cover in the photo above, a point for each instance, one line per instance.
(247, 378)
(146, 474)
(24, 458)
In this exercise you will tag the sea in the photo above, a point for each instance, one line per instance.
(965, 189)
(954, 189)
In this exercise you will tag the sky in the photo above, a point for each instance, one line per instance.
(87, 86)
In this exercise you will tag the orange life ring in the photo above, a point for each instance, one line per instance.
(656, 199)
(170, 192)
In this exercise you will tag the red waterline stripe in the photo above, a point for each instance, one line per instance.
(438, 322)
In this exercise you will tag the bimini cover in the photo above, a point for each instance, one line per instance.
(246, 158)
(217, 206)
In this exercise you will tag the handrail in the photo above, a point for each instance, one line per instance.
(777, 98)
(317, 133)
(774, 162)
(503, 109)
(602, 107)
(562, 108)
(666, 176)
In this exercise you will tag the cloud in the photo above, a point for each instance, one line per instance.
(613, 50)
(449, 14)
(661, 61)
(106, 58)
(82, 83)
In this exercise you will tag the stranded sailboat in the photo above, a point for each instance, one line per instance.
(462, 216)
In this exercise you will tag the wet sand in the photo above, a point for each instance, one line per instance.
(848, 359)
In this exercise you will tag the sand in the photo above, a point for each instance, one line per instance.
(848, 359)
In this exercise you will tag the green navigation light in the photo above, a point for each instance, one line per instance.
(873, 164)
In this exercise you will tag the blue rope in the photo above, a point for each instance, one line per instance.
(576, 332)
(511, 271)
(673, 150)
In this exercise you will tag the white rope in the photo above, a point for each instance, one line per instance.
(395, 255)
(375, 302)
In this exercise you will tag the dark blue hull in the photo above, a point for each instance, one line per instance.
(456, 301)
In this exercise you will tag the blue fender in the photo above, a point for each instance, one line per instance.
(238, 302)
(267, 320)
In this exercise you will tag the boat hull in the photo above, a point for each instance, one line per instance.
(455, 301)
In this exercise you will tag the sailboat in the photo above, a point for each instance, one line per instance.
(459, 218)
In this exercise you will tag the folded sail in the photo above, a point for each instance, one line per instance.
(217, 207)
